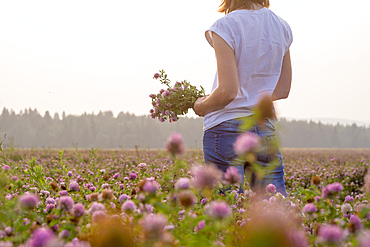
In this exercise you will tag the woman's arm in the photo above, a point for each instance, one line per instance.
(228, 82)
(282, 88)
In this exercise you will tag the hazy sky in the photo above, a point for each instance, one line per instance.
(87, 56)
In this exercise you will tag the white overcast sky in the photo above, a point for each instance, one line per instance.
(86, 56)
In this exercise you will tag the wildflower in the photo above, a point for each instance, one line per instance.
(96, 206)
(200, 226)
(128, 206)
(363, 240)
(298, 238)
(132, 176)
(187, 199)
(346, 207)
(204, 201)
(116, 175)
(246, 143)
(232, 176)
(270, 188)
(310, 208)
(153, 96)
(156, 75)
(6, 168)
(151, 187)
(175, 144)
(107, 195)
(74, 186)
(265, 107)
(98, 216)
(93, 197)
(349, 199)
(153, 225)
(41, 237)
(330, 234)
(28, 201)
(50, 207)
(182, 184)
(354, 223)
(316, 180)
(54, 186)
(63, 193)
(69, 174)
(206, 176)
(64, 234)
(218, 209)
(78, 210)
(66, 203)
(331, 190)
(122, 198)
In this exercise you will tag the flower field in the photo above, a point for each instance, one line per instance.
(98, 197)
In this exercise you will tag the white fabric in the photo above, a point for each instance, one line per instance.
(259, 39)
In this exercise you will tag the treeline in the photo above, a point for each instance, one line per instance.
(29, 129)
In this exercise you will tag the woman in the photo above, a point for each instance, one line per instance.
(251, 44)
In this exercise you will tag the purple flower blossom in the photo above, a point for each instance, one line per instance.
(206, 176)
(74, 186)
(96, 206)
(187, 198)
(175, 144)
(157, 75)
(297, 238)
(349, 199)
(78, 210)
(122, 198)
(153, 225)
(63, 193)
(64, 234)
(6, 167)
(200, 226)
(116, 175)
(331, 190)
(66, 203)
(270, 188)
(153, 96)
(41, 237)
(204, 201)
(182, 184)
(69, 174)
(132, 176)
(128, 206)
(310, 208)
(246, 143)
(355, 222)
(330, 234)
(151, 187)
(232, 176)
(218, 209)
(28, 201)
(50, 207)
(161, 119)
(98, 216)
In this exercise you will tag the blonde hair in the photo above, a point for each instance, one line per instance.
(228, 6)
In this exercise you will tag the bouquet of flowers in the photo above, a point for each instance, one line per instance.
(176, 100)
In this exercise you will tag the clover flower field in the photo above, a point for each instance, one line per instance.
(95, 197)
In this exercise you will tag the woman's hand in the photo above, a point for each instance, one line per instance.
(198, 106)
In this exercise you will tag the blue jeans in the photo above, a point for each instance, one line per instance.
(218, 149)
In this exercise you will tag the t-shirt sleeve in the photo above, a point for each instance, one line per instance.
(290, 38)
(222, 29)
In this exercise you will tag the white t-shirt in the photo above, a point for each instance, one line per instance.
(259, 39)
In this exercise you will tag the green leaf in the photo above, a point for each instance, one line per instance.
(161, 207)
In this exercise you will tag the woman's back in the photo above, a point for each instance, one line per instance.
(259, 39)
